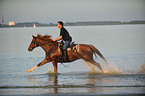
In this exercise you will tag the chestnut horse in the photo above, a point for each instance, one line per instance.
(52, 54)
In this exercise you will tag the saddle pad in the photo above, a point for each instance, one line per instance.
(75, 48)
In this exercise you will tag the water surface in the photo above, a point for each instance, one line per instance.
(122, 45)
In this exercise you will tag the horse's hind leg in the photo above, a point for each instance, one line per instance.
(96, 64)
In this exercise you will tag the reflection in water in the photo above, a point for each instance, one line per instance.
(32, 79)
(75, 82)
(92, 82)
(52, 81)
(95, 80)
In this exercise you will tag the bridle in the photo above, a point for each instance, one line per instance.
(35, 41)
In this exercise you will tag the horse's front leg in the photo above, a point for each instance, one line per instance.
(40, 64)
(54, 61)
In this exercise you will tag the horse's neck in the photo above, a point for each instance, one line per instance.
(49, 48)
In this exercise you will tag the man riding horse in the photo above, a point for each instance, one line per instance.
(65, 36)
(50, 47)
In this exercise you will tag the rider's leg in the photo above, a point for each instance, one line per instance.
(62, 56)
(66, 58)
(66, 45)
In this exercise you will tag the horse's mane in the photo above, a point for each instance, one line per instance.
(45, 37)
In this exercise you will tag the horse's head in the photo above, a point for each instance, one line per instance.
(33, 43)
(40, 40)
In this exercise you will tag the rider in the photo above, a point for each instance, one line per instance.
(65, 36)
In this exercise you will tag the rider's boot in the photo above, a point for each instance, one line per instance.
(62, 56)
(66, 58)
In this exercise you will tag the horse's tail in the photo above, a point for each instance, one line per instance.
(95, 50)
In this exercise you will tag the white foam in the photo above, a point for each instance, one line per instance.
(92, 68)
(111, 69)
(142, 68)
(50, 70)
(108, 69)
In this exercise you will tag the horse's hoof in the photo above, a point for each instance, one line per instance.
(28, 70)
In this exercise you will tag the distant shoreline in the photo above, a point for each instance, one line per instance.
(89, 23)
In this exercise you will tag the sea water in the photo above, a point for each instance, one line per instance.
(122, 45)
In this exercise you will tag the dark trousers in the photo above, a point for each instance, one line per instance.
(66, 45)
(64, 51)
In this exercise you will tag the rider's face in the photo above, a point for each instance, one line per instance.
(59, 26)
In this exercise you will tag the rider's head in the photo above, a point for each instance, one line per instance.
(60, 24)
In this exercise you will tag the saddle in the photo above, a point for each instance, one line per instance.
(72, 48)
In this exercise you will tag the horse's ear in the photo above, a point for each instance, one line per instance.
(33, 36)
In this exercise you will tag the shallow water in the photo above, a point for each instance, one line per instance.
(122, 45)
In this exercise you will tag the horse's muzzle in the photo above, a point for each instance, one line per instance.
(30, 49)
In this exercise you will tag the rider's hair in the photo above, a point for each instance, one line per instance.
(61, 23)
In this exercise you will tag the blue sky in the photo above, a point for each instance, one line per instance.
(50, 11)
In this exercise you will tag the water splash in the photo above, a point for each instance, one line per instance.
(142, 68)
(93, 69)
(108, 69)
(50, 70)
(111, 69)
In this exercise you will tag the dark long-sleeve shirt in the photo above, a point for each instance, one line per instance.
(65, 35)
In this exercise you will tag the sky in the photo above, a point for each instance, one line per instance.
(51, 11)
